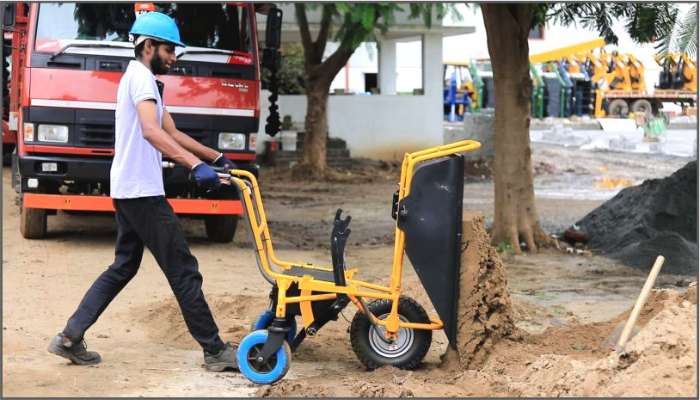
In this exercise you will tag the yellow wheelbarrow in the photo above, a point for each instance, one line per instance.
(388, 328)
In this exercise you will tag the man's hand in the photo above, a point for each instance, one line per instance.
(206, 177)
(225, 163)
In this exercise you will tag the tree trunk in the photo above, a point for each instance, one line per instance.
(515, 215)
(316, 127)
(319, 76)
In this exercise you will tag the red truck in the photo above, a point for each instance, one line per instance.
(66, 63)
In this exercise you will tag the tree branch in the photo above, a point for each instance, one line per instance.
(303, 23)
(322, 39)
(333, 64)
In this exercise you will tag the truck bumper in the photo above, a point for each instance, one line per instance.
(83, 169)
(104, 203)
(50, 172)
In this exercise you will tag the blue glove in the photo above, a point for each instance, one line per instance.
(206, 177)
(225, 163)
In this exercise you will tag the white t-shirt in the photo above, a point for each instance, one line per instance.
(137, 169)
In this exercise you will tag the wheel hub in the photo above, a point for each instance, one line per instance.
(256, 361)
(390, 348)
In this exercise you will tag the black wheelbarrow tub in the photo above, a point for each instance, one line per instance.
(431, 219)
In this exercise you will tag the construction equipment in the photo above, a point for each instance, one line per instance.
(561, 82)
(392, 329)
(626, 89)
(67, 61)
(678, 72)
(457, 91)
(462, 90)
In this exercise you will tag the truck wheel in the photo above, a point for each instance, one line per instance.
(618, 108)
(410, 346)
(221, 228)
(32, 223)
(7, 151)
(642, 106)
(16, 176)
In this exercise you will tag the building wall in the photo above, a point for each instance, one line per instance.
(378, 127)
(409, 68)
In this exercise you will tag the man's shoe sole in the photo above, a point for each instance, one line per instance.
(57, 350)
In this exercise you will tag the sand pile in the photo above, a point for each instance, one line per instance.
(485, 311)
(659, 361)
(570, 360)
(657, 217)
(233, 314)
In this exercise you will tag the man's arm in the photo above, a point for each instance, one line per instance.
(159, 138)
(184, 140)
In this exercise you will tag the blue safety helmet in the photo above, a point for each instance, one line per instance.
(157, 25)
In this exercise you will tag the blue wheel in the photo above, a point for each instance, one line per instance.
(262, 373)
(264, 320)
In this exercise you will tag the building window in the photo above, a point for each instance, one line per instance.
(536, 32)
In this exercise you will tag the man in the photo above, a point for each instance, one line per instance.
(144, 130)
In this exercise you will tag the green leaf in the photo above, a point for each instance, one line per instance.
(687, 39)
(343, 8)
(368, 14)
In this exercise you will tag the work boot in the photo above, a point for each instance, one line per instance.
(76, 352)
(226, 358)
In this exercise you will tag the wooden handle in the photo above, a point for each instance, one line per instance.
(640, 301)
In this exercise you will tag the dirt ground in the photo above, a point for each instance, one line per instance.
(566, 305)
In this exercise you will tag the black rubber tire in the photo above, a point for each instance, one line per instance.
(8, 149)
(361, 329)
(221, 228)
(16, 176)
(642, 106)
(32, 223)
(618, 108)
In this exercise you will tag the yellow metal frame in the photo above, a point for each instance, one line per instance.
(563, 52)
(356, 290)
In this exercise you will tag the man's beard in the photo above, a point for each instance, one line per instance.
(157, 65)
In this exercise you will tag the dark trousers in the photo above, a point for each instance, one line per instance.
(150, 222)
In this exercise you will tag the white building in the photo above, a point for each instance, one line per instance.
(387, 124)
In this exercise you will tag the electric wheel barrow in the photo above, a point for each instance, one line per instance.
(388, 328)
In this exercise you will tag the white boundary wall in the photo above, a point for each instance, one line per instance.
(379, 127)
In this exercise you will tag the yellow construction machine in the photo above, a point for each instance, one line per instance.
(622, 89)
(679, 71)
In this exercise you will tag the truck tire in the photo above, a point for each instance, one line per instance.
(16, 176)
(618, 108)
(8, 149)
(221, 228)
(32, 223)
(642, 106)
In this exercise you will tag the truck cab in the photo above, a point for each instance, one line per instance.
(68, 59)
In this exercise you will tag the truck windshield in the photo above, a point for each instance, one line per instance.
(224, 27)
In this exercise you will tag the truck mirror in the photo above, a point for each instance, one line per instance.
(273, 28)
(8, 20)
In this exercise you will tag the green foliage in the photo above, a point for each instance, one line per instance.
(645, 22)
(291, 76)
(357, 22)
(425, 11)
(684, 36)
